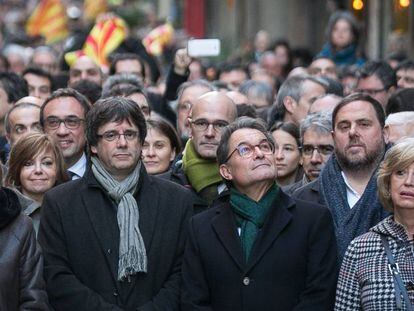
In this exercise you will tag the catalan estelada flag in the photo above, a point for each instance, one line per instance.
(158, 38)
(48, 20)
(92, 8)
(103, 39)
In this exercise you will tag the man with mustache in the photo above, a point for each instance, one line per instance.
(316, 147)
(62, 116)
(198, 168)
(347, 185)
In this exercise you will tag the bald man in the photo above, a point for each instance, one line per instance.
(197, 169)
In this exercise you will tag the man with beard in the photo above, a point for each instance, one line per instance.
(347, 185)
(197, 169)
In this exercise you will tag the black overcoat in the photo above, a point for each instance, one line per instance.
(292, 265)
(80, 239)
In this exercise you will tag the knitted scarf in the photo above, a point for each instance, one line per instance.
(346, 56)
(200, 172)
(251, 215)
(132, 253)
(349, 222)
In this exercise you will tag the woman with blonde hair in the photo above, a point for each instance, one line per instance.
(377, 272)
(35, 166)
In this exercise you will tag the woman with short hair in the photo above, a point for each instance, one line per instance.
(377, 272)
(35, 166)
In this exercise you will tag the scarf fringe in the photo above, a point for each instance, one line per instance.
(131, 263)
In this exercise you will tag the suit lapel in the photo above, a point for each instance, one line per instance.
(226, 230)
(278, 218)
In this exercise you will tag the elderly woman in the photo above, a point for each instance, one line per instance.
(35, 166)
(377, 272)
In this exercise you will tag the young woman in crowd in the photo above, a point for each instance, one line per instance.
(377, 272)
(287, 154)
(35, 166)
(161, 146)
(343, 37)
(21, 267)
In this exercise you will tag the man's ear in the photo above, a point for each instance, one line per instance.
(290, 104)
(225, 172)
(386, 134)
(94, 150)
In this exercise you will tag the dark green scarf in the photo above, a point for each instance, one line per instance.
(251, 215)
(200, 172)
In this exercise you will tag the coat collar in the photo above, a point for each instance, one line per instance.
(225, 227)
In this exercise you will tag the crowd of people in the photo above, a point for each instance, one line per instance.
(265, 183)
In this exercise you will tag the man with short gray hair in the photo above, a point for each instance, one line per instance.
(317, 147)
(295, 98)
(399, 125)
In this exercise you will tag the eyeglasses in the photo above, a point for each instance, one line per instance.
(246, 150)
(112, 135)
(325, 150)
(71, 123)
(371, 92)
(202, 125)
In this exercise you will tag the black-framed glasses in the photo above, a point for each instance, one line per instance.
(71, 123)
(325, 150)
(246, 150)
(203, 124)
(371, 92)
(114, 135)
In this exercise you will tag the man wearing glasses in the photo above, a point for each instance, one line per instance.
(114, 239)
(62, 116)
(378, 80)
(256, 248)
(317, 147)
(198, 169)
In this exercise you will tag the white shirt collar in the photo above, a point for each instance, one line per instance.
(352, 195)
(79, 168)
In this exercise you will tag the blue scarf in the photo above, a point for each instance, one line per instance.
(344, 57)
(349, 222)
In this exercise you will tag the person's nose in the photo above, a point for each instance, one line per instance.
(84, 75)
(258, 153)
(150, 152)
(279, 153)
(38, 168)
(121, 141)
(353, 131)
(409, 180)
(210, 131)
(62, 130)
(316, 157)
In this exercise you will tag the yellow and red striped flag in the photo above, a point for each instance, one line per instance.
(48, 20)
(158, 38)
(103, 39)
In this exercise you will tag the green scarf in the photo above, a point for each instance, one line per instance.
(251, 215)
(201, 173)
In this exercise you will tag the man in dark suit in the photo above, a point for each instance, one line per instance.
(113, 240)
(256, 248)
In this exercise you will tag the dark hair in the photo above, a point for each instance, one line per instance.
(125, 56)
(246, 110)
(168, 130)
(91, 90)
(68, 92)
(379, 111)
(407, 64)
(39, 72)
(382, 70)
(401, 100)
(5, 62)
(113, 109)
(28, 147)
(338, 15)
(240, 123)
(14, 86)
(289, 127)
(334, 86)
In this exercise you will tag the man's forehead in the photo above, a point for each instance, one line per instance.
(84, 63)
(26, 111)
(246, 135)
(356, 110)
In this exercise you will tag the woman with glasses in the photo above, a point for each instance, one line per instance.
(160, 147)
(35, 166)
(287, 154)
(377, 272)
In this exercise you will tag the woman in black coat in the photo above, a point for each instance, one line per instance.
(21, 267)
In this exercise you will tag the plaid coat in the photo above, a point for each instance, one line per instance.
(365, 283)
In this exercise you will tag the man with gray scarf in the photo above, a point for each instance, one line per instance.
(113, 240)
